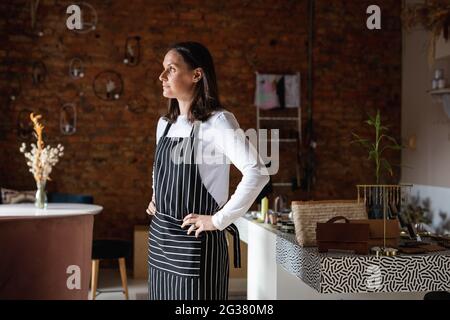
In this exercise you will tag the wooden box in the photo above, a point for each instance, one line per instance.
(376, 232)
(343, 236)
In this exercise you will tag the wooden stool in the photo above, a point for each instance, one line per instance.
(110, 249)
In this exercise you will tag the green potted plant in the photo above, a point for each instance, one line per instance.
(376, 148)
(376, 194)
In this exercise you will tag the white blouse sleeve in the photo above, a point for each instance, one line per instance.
(159, 132)
(232, 142)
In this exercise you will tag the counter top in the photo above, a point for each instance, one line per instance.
(343, 272)
(53, 210)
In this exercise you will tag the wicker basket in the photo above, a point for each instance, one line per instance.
(306, 214)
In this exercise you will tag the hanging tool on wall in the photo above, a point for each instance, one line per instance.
(108, 85)
(38, 72)
(309, 143)
(34, 5)
(132, 52)
(76, 68)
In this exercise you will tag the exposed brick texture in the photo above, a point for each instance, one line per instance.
(111, 155)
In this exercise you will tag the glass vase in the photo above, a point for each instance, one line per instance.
(41, 196)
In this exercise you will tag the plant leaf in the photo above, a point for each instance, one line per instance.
(372, 155)
(391, 139)
(386, 165)
(363, 142)
(378, 119)
(385, 136)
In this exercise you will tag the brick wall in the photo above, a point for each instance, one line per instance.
(111, 154)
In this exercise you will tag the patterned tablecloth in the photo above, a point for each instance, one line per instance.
(339, 272)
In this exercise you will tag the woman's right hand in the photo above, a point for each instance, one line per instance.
(151, 210)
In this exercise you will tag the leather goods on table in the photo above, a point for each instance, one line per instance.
(443, 241)
(343, 236)
(414, 247)
(306, 215)
(376, 230)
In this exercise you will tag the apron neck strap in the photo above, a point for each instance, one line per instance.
(167, 129)
(195, 128)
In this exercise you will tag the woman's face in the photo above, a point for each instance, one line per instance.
(177, 79)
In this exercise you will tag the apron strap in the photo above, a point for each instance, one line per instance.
(233, 230)
(167, 129)
(195, 128)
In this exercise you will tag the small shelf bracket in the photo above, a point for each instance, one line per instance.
(443, 96)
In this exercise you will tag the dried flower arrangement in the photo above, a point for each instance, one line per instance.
(434, 16)
(41, 158)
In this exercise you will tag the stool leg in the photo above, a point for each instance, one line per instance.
(94, 278)
(123, 276)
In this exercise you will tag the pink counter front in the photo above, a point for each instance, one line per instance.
(46, 254)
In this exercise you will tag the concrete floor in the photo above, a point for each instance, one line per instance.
(110, 287)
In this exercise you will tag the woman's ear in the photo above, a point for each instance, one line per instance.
(198, 74)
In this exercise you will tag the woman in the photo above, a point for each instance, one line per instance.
(188, 256)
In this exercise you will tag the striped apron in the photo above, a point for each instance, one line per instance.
(181, 266)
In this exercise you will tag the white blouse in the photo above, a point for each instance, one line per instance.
(221, 133)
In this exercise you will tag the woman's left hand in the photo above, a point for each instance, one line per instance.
(199, 223)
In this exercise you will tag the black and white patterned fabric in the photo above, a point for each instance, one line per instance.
(350, 273)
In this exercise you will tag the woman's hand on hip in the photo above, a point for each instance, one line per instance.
(199, 223)
(151, 210)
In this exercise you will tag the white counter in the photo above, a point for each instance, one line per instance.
(53, 210)
(279, 269)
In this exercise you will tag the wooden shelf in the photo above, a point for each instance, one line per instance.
(439, 91)
(443, 98)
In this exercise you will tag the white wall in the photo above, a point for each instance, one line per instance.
(428, 166)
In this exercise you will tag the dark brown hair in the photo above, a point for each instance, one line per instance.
(206, 93)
